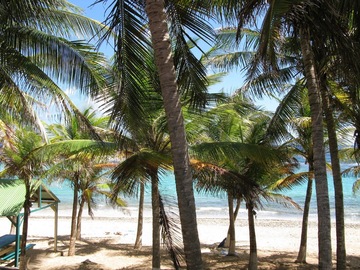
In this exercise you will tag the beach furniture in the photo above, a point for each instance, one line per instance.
(7, 248)
(11, 255)
(6, 240)
(6, 244)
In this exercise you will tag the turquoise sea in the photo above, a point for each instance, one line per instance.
(209, 206)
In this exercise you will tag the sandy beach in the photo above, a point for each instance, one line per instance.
(107, 243)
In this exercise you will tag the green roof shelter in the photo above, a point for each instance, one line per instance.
(12, 198)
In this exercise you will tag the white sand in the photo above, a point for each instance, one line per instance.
(274, 237)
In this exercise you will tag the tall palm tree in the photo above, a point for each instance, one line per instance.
(146, 161)
(293, 117)
(285, 17)
(178, 69)
(137, 114)
(291, 104)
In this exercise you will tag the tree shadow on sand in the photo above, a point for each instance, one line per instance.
(107, 254)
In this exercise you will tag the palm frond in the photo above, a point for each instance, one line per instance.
(171, 234)
(133, 59)
(191, 74)
(286, 112)
(290, 181)
(282, 199)
(135, 168)
(356, 186)
(220, 150)
(118, 201)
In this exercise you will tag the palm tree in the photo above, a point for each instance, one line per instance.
(233, 161)
(292, 103)
(143, 140)
(178, 71)
(223, 123)
(293, 114)
(82, 169)
(145, 162)
(19, 161)
(139, 231)
(285, 17)
(35, 54)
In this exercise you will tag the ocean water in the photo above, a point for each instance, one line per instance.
(209, 206)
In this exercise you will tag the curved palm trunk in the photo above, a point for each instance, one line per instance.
(155, 221)
(231, 225)
(27, 205)
(138, 241)
(253, 260)
(237, 208)
(175, 121)
(72, 243)
(301, 258)
(337, 179)
(79, 218)
(322, 193)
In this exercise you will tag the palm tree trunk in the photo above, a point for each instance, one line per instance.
(79, 217)
(301, 258)
(253, 260)
(175, 121)
(322, 193)
(138, 241)
(27, 205)
(155, 221)
(12, 227)
(231, 225)
(72, 243)
(237, 208)
(337, 179)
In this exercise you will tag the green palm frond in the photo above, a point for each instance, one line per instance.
(133, 59)
(71, 22)
(45, 51)
(185, 19)
(18, 105)
(58, 17)
(220, 150)
(352, 171)
(36, 55)
(118, 201)
(290, 181)
(228, 54)
(137, 168)
(264, 82)
(287, 112)
(17, 155)
(74, 148)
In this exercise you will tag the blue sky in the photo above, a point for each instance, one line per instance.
(229, 84)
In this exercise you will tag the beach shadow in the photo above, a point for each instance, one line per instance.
(88, 252)
(354, 262)
(283, 260)
(216, 258)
